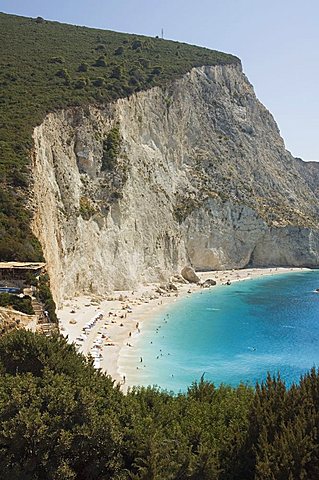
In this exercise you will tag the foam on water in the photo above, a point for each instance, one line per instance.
(231, 333)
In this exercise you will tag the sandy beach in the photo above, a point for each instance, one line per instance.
(102, 326)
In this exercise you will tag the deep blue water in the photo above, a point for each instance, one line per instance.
(233, 333)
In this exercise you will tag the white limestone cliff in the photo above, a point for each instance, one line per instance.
(202, 178)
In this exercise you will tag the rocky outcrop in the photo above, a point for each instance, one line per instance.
(189, 274)
(209, 283)
(198, 174)
(11, 319)
(177, 278)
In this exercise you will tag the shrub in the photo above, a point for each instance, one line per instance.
(136, 44)
(144, 62)
(56, 60)
(81, 83)
(98, 82)
(117, 73)
(21, 304)
(111, 148)
(133, 81)
(156, 71)
(61, 73)
(20, 179)
(83, 67)
(100, 62)
(100, 47)
(87, 208)
(44, 295)
(31, 279)
(119, 51)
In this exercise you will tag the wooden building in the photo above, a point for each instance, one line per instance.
(17, 273)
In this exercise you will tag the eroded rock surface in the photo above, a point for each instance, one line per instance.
(201, 177)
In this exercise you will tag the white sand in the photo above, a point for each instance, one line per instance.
(124, 313)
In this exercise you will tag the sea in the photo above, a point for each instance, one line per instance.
(230, 334)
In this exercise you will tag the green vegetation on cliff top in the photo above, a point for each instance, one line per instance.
(45, 66)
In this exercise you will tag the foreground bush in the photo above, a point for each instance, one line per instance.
(61, 419)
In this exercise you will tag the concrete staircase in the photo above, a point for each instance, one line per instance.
(38, 310)
(47, 328)
(43, 324)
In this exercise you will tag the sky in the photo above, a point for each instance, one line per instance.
(276, 40)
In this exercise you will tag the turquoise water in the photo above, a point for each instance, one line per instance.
(232, 333)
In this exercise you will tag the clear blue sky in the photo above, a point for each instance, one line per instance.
(277, 41)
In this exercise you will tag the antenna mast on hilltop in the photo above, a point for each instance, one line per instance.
(162, 33)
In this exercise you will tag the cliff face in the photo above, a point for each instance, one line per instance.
(193, 173)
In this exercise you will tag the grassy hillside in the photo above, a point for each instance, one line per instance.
(46, 66)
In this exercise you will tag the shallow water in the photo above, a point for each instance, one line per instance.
(232, 334)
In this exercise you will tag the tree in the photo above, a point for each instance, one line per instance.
(100, 62)
(119, 51)
(83, 67)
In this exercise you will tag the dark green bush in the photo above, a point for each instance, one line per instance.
(62, 73)
(156, 71)
(100, 62)
(81, 83)
(117, 73)
(119, 51)
(22, 304)
(31, 279)
(83, 67)
(61, 419)
(44, 295)
(98, 82)
(100, 47)
(144, 62)
(136, 44)
(57, 60)
(111, 148)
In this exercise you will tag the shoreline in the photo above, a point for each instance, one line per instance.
(117, 319)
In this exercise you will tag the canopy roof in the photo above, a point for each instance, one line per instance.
(22, 265)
